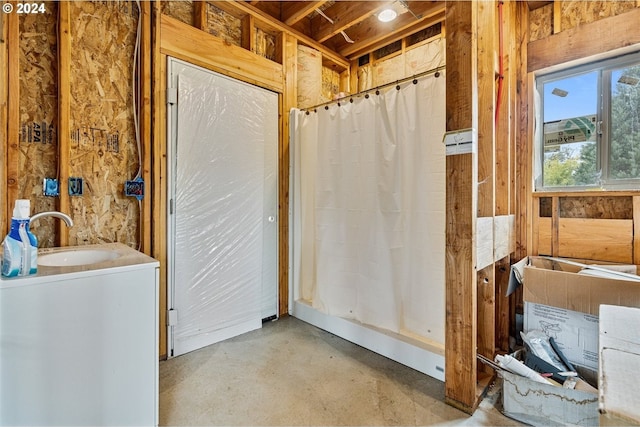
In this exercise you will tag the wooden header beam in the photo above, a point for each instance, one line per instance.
(584, 41)
(188, 43)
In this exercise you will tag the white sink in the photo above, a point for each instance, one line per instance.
(76, 257)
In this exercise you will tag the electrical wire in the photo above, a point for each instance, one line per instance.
(135, 85)
(346, 37)
(135, 95)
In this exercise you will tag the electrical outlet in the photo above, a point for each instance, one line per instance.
(75, 186)
(50, 187)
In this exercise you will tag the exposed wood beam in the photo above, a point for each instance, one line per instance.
(292, 13)
(241, 8)
(371, 31)
(344, 15)
(421, 25)
(584, 41)
(538, 4)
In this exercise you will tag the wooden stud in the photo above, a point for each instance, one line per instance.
(353, 77)
(145, 123)
(503, 124)
(289, 100)
(523, 149)
(502, 315)
(159, 172)
(64, 113)
(4, 83)
(249, 33)
(13, 112)
(486, 317)
(200, 15)
(584, 41)
(486, 309)
(555, 226)
(557, 16)
(535, 225)
(486, 109)
(636, 230)
(461, 205)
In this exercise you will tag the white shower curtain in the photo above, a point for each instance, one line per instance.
(369, 197)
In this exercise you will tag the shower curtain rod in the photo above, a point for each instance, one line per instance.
(377, 88)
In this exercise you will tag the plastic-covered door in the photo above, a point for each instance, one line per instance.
(223, 205)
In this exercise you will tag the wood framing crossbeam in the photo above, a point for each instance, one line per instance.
(264, 20)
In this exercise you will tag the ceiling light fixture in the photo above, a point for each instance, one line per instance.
(387, 15)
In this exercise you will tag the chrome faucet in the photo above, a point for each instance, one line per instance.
(66, 218)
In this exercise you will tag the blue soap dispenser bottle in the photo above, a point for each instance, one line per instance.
(20, 247)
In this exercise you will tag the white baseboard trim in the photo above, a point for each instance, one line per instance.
(402, 351)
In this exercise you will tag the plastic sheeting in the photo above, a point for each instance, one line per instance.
(369, 209)
(225, 195)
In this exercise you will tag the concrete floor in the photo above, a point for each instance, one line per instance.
(290, 373)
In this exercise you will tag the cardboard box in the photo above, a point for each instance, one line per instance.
(544, 404)
(619, 351)
(563, 300)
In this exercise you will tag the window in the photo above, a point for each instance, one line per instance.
(590, 134)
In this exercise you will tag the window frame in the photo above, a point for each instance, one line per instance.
(604, 69)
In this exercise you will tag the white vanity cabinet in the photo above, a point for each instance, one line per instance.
(79, 344)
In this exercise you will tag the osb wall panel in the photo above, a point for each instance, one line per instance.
(541, 23)
(596, 207)
(265, 44)
(38, 115)
(224, 25)
(103, 148)
(575, 13)
(181, 10)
